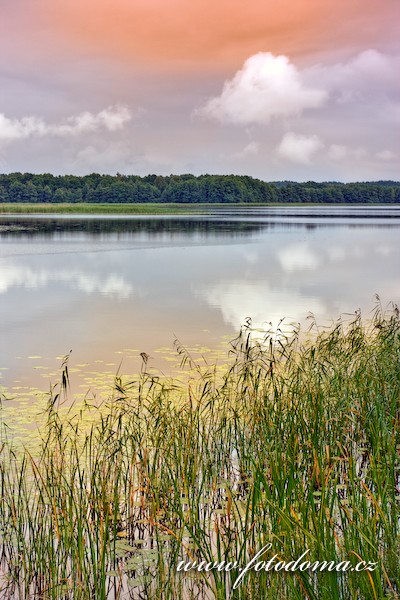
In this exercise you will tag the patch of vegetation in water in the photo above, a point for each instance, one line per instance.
(104, 208)
(296, 443)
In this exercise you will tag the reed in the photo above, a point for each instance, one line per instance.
(296, 445)
(148, 208)
(104, 208)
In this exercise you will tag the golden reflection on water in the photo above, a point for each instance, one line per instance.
(23, 407)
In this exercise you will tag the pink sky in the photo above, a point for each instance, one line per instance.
(277, 90)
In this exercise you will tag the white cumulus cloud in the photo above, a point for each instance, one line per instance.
(299, 148)
(112, 118)
(267, 86)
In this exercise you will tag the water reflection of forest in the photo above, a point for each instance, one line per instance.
(17, 227)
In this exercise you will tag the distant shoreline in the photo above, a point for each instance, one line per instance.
(179, 191)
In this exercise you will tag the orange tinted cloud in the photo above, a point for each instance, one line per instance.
(185, 33)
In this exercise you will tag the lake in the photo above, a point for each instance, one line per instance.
(111, 287)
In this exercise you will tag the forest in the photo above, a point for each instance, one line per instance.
(219, 189)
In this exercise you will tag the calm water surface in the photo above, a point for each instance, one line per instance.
(111, 287)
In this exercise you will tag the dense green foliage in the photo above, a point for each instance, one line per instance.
(294, 445)
(95, 188)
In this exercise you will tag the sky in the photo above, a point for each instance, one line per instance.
(290, 89)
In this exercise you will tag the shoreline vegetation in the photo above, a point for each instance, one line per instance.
(149, 208)
(295, 445)
(96, 189)
(82, 208)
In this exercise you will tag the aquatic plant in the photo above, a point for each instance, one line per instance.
(296, 444)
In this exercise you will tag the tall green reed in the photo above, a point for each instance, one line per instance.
(296, 445)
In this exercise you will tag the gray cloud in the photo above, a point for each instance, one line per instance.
(386, 155)
(361, 78)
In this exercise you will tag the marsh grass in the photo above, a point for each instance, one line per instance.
(296, 444)
(147, 208)
(105, 208)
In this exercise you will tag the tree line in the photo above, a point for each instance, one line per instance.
(222, 189)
